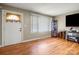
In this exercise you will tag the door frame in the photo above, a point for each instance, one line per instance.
(3, 25)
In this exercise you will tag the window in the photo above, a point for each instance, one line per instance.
(12, 17)
(34, 23)
(43, 24)
(50, 20)
(40, 23)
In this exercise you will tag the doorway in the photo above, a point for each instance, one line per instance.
(12, 28)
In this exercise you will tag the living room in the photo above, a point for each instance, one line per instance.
(39, 29)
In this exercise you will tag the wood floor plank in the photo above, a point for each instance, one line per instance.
(48, 46)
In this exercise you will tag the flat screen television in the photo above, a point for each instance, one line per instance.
(72, 20)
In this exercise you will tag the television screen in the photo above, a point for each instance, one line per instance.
(72, 20)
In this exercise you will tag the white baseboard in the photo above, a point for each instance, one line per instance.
(28, 40)
(35, 39)
(0, 45)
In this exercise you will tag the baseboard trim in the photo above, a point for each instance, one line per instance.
(36, 39)
(28, 40)
(0, 45)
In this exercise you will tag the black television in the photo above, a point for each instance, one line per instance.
(72, 20)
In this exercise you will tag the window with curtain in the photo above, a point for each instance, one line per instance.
(43, 24)
(34, 23)
(50, 20)
(40, 23)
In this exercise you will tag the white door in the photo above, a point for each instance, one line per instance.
(12, 32)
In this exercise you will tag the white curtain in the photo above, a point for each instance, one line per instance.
(34, 23)
(40, 23)
(43, 24)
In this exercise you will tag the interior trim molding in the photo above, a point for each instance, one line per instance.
(36, 39)
(0, 45)
(29, 40)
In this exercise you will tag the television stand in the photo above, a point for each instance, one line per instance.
(72, 36)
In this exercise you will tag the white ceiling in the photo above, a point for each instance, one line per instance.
(51, 9)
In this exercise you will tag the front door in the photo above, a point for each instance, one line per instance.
(13, 33)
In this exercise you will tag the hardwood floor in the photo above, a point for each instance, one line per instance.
(52, 46)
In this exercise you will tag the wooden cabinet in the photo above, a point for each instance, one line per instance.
(62, 34)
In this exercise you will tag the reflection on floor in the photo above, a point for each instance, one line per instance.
(52, 46)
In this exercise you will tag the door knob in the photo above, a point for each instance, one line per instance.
(20, 29)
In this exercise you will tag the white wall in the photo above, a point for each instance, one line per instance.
(62, 20)
(26, 23)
